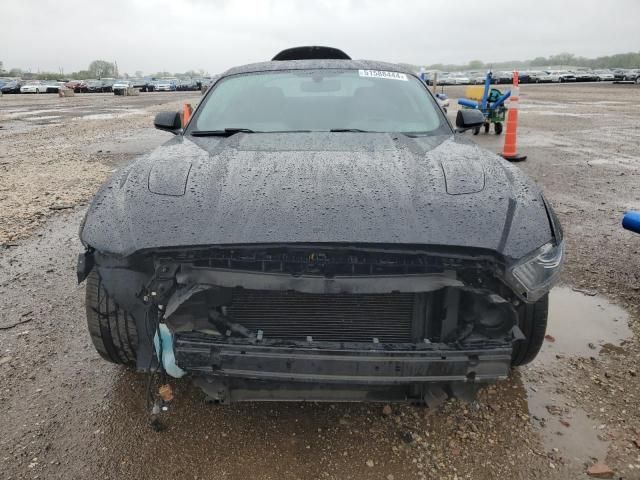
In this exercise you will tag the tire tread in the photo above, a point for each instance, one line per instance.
(533, 323)
(112, 330)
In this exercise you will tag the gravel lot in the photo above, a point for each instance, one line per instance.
(65, 413)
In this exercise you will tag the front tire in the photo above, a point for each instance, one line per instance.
(533, 323)
(113, 331)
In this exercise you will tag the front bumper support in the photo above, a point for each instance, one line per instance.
(340, 363)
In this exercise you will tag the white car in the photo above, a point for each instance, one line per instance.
(538, 76)
(54, 87)
(165, 86)
(444, 78)
(459, 79)
(479, 79)
(563, 76)
(34, 86)
(121, 86)
(550, 76)
(605, 76)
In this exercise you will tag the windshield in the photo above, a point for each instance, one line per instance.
(320, 100)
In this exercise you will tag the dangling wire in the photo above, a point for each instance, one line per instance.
(151, 374)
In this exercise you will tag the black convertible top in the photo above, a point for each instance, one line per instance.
(318, 65)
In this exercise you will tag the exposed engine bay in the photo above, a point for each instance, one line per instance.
(275, 322)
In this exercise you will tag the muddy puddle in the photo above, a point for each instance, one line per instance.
(581, 324)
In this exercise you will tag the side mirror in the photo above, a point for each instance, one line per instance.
(469, 118)
(168, 121)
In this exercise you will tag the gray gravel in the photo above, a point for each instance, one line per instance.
(65, 413)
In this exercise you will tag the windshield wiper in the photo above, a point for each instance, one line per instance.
(356, 130)
(227, 132)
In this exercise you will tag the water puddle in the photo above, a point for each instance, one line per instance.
(566, 430)
(580, 324)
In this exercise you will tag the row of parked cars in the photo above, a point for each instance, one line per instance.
(535, 76)
(104, 85)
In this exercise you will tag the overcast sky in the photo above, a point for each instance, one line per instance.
(178, 35)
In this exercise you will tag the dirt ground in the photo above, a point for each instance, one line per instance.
(65, 413)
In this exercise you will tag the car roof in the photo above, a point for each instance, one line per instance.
(275, 66)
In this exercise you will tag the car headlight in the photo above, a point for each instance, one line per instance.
(537, 273)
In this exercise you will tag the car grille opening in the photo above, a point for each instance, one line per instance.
(325, 317)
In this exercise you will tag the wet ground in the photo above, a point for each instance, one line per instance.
(65, 413)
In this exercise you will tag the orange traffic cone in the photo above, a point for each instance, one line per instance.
(186, 114)
(510, 149)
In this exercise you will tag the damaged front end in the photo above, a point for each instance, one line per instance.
(305, 322)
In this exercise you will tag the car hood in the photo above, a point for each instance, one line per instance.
(347, 188)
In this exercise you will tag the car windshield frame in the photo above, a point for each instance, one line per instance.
(443, 128)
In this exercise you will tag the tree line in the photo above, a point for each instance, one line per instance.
(97, 69)
(620, 60)
(103, 68)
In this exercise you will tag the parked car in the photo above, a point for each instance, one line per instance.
(94, 86)
(632, 74)
(121, 87)
(565, 76)
(459, 79)
(187, 84)
(12, 86)
(477, 79)
(618, 73)
(605, 76)
(206, 82)
(151, 85)
(78, 86)
(140, 83)
(34, 86)
(585, 76)
(539, 76)
(524, 77)
(165, 86)
(233, 254)
(107, 84)
(480, 78)
(445, 78)
(504, 77)
(54, 87)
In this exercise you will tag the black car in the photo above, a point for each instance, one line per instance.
(187, 85)
(141, 83)
(619, 74)
(524, 77)
(585, 76)
(12, 86)
(94, 86)
(107, 84)
(632, 75)
(319, 231)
